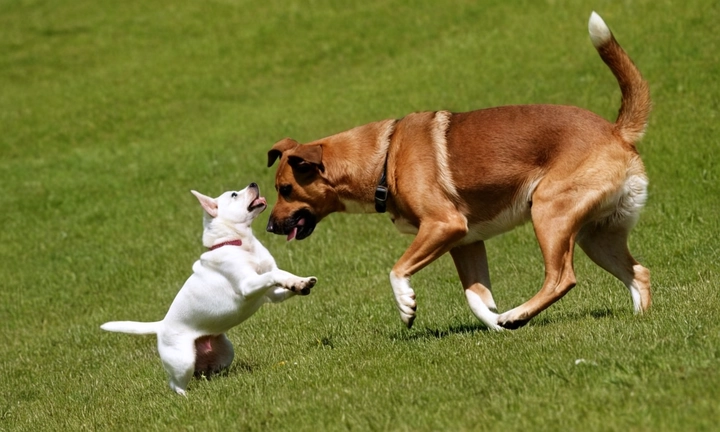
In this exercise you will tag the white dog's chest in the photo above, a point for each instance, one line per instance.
(211, 299)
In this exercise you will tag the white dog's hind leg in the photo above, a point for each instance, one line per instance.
(178, 358)
(279, 294)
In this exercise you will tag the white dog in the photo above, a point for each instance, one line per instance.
(229, 283)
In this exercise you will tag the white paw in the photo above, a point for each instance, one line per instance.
(404, 299)
(482, 311)
(493, 325)
(301, 286)
(177, 389)
(406, 306)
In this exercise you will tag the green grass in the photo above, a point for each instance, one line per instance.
(110, 112)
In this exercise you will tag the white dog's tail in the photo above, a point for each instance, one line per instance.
(635, 107)
(132, 327)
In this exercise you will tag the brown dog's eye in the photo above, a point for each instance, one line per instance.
(285, 190)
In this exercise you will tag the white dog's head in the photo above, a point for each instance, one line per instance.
(232, 209)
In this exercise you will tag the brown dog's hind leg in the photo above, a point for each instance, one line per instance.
(607, 247)
(472, 266)
(433, 239)
(556, 222)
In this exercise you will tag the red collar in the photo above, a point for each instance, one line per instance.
(227, 243)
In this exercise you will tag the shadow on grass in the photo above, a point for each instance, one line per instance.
(540, 321)
(430, 333)
(237, 367)
(571, 316)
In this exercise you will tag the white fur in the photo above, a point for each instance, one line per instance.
(227, 286)
(633, 199)
(384, 138)
(622, 209)
(404, 298)
(599, 31)
(636, 296)
(441, 122)
(480, 309)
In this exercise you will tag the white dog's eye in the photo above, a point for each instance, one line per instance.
(233, 195)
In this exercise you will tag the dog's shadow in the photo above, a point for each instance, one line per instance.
(469, 328)
(437, 333)
(574, 316)
(237, 367)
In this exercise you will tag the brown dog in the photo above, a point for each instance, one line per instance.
(455, 180)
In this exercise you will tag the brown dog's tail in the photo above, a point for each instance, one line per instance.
(635, 108)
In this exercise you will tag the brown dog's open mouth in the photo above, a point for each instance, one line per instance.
(299, 226)
(294, 230)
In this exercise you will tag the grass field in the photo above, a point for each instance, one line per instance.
(110, 112)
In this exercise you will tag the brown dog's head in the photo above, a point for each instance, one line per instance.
(305, 195)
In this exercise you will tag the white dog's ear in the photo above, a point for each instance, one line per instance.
(208, 204)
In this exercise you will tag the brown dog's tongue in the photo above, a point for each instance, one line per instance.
(294, 231)
(292, 234)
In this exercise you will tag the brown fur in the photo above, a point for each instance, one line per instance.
(457, 179)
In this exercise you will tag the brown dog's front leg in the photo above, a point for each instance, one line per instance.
(434, 238)
(472, 266)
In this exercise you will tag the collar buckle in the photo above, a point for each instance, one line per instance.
(381, 196)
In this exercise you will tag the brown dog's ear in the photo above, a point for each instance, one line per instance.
(279, 148)
(307, 157)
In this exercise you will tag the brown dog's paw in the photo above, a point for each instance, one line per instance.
(510, 321)
(302, 286)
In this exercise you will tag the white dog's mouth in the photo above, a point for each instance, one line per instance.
(257, 203)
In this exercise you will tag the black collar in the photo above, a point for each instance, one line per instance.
(381, 191)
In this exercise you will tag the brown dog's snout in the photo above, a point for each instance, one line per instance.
(271, 226)
(298, 225)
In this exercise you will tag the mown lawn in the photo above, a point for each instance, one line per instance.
(110, 112)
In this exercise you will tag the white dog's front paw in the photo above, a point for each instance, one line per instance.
(301, 286)
(404, 299)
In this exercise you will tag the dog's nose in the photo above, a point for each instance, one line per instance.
(253, 185)
(270, 226)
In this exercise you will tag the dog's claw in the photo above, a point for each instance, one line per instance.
(408, 320)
